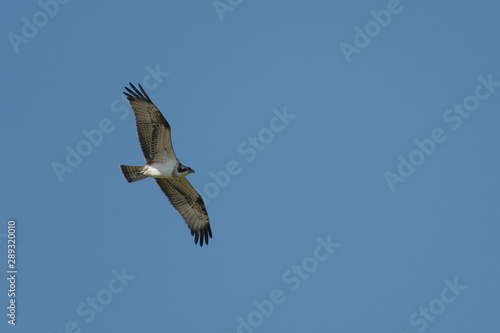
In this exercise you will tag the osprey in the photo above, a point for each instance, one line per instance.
(162, 165)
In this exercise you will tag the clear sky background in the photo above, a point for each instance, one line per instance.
(412, 225)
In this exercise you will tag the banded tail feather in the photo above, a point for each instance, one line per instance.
(132, 173)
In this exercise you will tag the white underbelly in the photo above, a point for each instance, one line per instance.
(160, 170)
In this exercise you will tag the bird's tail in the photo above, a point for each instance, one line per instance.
(132, 173)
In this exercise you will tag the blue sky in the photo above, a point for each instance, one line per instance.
(347, 152)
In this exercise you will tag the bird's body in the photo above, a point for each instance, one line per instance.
(162, 165)
(160, 170)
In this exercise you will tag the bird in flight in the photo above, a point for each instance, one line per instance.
(162, 165)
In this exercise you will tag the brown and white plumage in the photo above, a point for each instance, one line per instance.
(153, 131)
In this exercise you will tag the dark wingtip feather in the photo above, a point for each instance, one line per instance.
(209, 231)
(202, 235)
(136, 93)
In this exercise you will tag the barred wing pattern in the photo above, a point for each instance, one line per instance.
(189, 204)
(153, 129)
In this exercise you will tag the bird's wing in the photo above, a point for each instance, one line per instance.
(189, 204)
(152, 128)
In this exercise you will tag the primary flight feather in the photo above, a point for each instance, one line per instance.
(162, 165)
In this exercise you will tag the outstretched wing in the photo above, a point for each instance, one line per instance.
(152, 128)
(189, 204)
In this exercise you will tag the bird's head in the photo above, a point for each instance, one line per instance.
(183, 170)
